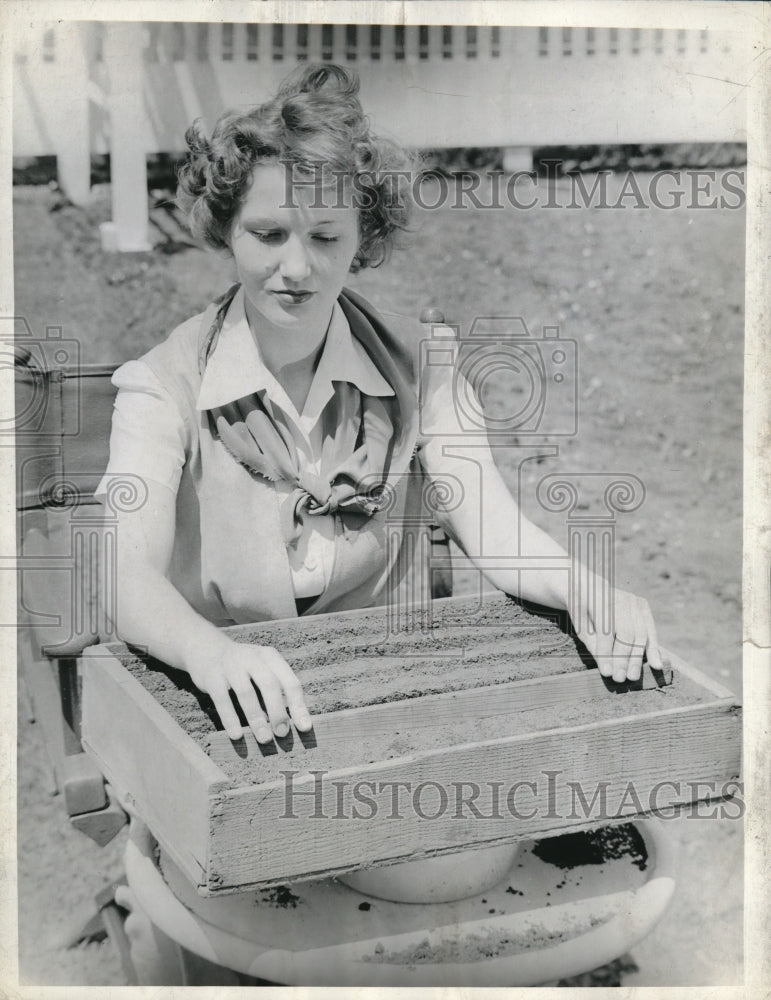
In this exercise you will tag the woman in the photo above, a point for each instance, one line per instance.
(269, 429)
(285, 432)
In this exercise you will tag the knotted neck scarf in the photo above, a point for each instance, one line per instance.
(362, 435)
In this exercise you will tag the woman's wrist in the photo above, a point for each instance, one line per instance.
(559, 585)
(201, 650)
(549, 588)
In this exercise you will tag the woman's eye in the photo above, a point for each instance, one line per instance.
(267, 235)
(322, 238)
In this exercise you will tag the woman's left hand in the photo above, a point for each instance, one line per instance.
(620, 650)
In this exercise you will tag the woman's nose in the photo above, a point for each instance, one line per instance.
(295, 264)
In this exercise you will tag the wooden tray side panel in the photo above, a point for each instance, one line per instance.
(348, 730)
(379, 614)
(145, 756)
(266, 834)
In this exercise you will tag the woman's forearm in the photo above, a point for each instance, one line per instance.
(492, 531)
(548, 583)
(147, 610)
(151, 613)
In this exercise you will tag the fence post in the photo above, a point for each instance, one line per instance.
(518, 158)
(73, 151)
(128, 164)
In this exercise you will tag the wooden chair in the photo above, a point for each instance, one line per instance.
(62, 435)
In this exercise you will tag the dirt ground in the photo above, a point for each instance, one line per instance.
(653, 300)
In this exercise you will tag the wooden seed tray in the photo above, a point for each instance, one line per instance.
(428, 762)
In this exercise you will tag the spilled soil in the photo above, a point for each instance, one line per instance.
(594, 847)
(478, 947)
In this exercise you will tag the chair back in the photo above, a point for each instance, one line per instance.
(63, 417)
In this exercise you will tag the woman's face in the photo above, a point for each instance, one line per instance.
(292, 258)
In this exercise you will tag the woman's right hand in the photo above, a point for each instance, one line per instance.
(242, 669)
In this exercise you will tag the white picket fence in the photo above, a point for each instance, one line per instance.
(131, 89)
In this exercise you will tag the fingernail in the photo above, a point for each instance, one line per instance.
(303, 722)
(282, 729)
(264, 736)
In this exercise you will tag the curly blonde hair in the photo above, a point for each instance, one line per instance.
(315, 120)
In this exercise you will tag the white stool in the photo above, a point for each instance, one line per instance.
(549, 924)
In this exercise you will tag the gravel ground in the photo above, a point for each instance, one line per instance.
(654, 301)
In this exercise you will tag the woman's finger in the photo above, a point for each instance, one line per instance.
(220, 695)
(627, 659)
(604, 654)
(634, 662)
(244, 691)
(620, 659)
(293, 691)
(628, 629)
(652, 648)
(265, 678)
(634, 670)
(601, 648)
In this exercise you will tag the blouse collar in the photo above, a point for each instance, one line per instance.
(236, 369)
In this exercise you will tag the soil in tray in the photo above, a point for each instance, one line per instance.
(511, 648)
(346, 662)
(364, 659)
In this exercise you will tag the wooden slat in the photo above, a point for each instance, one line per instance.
(343, 733)
(679, 666)
(81, 783)
(411, 37)
(239, 43)
(444, 611)
(144, 754)
(40, 677)
(255, 841)
(314, 43)
(102, 825)
(69, 688)
(75, 775)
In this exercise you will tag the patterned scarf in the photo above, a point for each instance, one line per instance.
(361, 434)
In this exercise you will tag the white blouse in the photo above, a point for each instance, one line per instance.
(236, 369)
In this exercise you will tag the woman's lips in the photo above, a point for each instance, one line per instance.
(291, 297)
